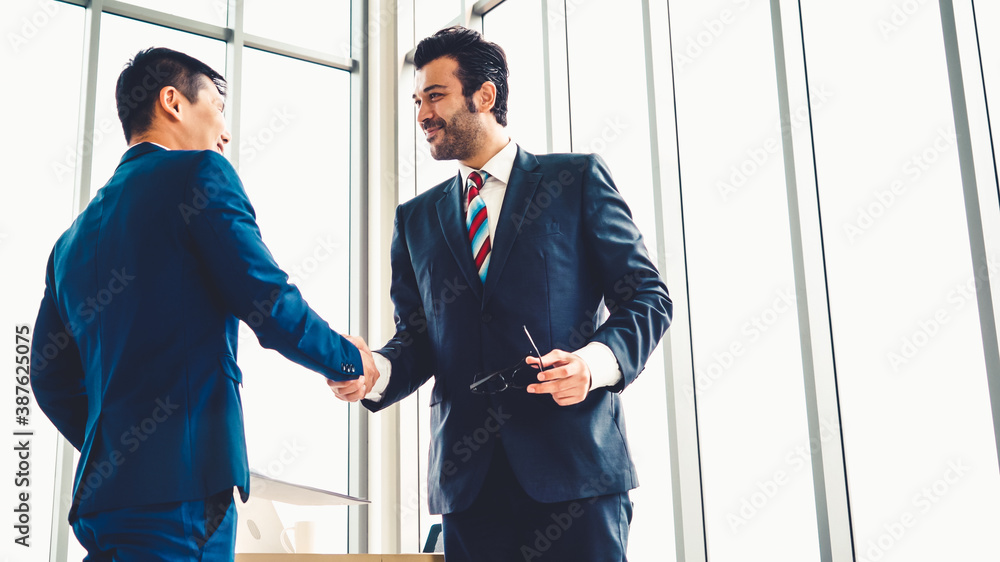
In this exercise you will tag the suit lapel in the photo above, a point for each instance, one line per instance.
(520, 192)
(449, 211)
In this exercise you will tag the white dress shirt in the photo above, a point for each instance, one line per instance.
(600, 360)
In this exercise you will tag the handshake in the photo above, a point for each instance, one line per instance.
(354, 390)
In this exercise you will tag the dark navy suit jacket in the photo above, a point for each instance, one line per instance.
(565, 240)
(134, 349)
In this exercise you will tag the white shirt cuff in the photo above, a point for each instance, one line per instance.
(603, 365)
(384, 367)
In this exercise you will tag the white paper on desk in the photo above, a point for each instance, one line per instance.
(267, 488)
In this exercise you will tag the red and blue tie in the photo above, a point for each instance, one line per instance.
(478, 224)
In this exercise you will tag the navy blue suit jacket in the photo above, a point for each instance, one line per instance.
(565, 240)
(134, 349)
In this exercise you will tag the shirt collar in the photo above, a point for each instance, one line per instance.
(498, 167)
(150, 142)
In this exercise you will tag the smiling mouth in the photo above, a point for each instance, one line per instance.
(430, 132)
(219, 146)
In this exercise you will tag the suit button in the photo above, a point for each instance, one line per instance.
(487, 318)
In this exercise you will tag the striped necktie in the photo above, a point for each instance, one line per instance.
(478, 224)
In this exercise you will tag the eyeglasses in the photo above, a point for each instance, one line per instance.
(517, 376)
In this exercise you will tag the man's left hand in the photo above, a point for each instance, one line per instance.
(566, 377)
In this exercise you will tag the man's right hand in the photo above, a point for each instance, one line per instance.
(352, 391)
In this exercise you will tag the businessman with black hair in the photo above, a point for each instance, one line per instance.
(134, 351)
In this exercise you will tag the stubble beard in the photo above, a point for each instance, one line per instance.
(461, 137)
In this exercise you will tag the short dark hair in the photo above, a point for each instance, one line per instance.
(478, 60)
(150, 71)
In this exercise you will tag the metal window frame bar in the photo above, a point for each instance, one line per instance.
(298, 53)
(555, 61)
(211, 31)
(678, 353)
(482, 7)
(974, 211)
(829, 471)
(163, 19)
(63, 484)
(361, 263)
(234, 68)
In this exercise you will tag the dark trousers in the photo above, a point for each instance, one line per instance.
(203, 530)
(504, 524)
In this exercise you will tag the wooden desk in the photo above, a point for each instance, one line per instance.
(339, 558)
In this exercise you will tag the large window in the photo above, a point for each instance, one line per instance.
(39, 154)
(295, 164)
(837, 400)
(920, 450)
(536, 38)
(747, 366)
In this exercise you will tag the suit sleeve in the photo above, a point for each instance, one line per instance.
(637, 299)
(57, 377)
(228, 244)
(409, 350)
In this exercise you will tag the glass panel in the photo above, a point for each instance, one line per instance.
(616, 126)
(430, 172)
(121, 39)
(918, 434)
(321, 25)
(38, 157)
(988, 33)
(517, 27)
(295, 164)
(211, 11)
(754, 442)
(431, 15)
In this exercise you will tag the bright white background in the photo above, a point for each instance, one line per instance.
(881, 113)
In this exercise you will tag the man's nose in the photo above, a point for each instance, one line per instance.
(226, 137)
(424, 113)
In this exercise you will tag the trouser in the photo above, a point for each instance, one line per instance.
(203, 530)
(504, 524)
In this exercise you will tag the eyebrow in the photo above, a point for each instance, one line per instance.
(429, 88)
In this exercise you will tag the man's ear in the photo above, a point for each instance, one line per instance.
(169, 101)
(487, 97)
